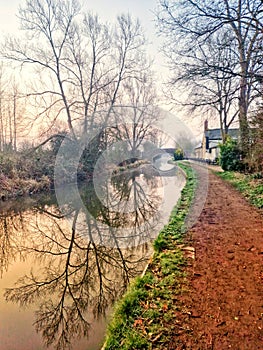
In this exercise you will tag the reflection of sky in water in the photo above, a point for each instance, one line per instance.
(162, 163)
(135, 204)
(43, 243)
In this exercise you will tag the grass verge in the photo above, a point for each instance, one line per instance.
(251, 186)
(143, 318)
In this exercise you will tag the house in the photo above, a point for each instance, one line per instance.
(208, 149)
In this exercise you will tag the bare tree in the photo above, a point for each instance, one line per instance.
(2, 97)
(207, 75)
(12, 116)
(81, 62)
(189, 24)
(138, 115)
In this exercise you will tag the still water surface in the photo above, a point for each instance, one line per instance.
(61, 269)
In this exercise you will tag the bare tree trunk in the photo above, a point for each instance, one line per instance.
(243, 122)
(1, 125)
(14, 123)
(10, 119)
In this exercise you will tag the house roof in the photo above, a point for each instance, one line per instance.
(215, 134)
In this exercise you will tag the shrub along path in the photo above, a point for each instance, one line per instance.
(223, 308)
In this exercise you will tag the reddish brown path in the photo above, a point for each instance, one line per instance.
(224, 306)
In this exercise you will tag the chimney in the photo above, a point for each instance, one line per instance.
(205, 125)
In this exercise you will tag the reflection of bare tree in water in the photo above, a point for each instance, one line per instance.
(73, 275)
(130, 207)
(10, 244)
(138, 198)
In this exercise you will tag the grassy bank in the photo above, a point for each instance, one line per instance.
(142, 319)
(16, 187)
(251, 186)
(22, 173)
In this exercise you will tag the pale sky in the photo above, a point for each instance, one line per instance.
(106, 10)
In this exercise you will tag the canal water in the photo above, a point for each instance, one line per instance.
(63, 266)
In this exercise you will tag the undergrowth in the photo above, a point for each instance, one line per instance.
(141, 319)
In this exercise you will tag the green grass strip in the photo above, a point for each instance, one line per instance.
(248, 184)
(141, 319)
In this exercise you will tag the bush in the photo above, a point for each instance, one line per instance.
(178, 154)
(230, 156)
(254, 159)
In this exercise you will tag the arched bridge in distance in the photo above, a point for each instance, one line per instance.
(158, 153)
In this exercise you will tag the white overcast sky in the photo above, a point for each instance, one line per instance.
(106, 10)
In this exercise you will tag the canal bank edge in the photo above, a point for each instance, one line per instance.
(141, 319)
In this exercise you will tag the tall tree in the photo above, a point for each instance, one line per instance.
(81, 62)
(188, 25)
(207, 75)
(2, 97)
(138, 113)
(11, 109)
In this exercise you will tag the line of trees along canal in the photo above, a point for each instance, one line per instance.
(78, 79)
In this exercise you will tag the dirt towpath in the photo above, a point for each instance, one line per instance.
(224, 306)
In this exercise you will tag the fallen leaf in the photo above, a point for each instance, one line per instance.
(165, 307)
(137, 322)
